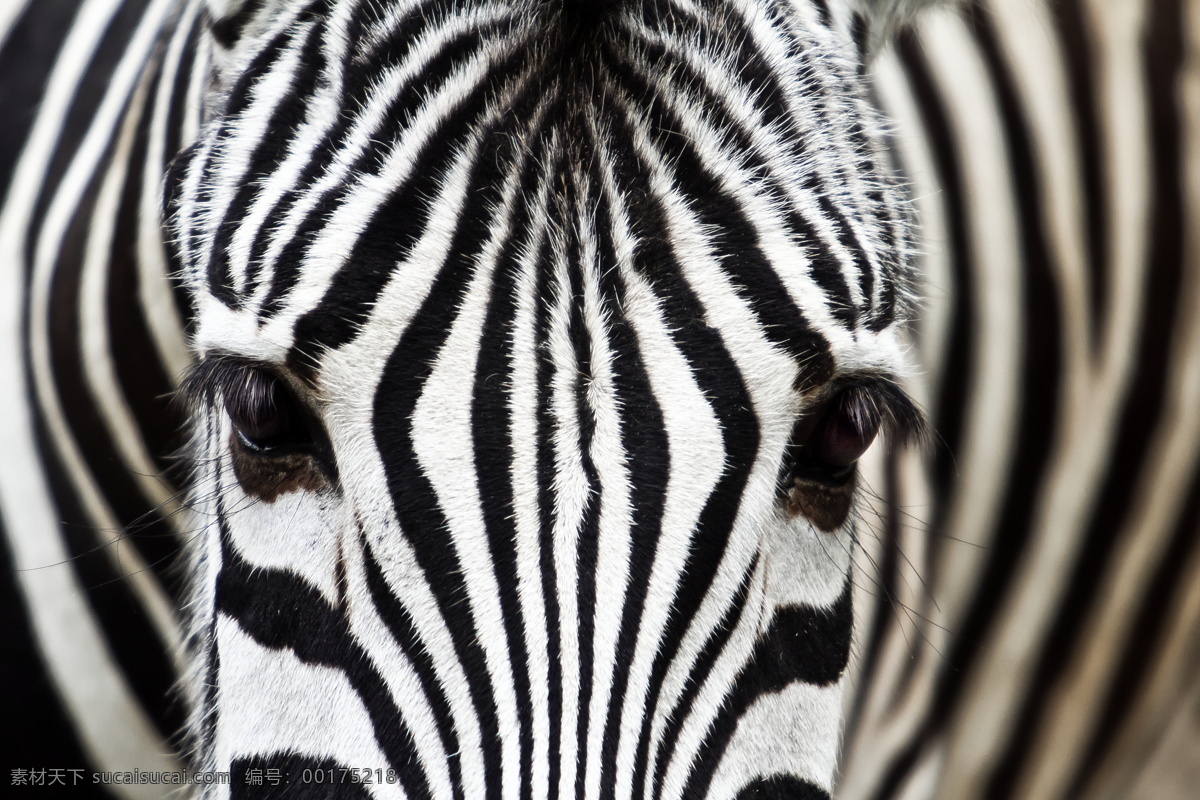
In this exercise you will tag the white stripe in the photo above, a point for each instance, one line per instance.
(526, 488)
(821, 101)
(307, 710)
(369, 193)
(193, 105)
(371, 631)
(296, 532)
(609, 457)
(790, 732)
(444, 445)
(232, 159)
(984, 456)
(322, 113)
(712, 147)
(768, 376)
(1088, 413)
(889, 719)
(349, 423)
(155, 293)
(710, 699)
(59, 217)
(697, 455)
(572, 494)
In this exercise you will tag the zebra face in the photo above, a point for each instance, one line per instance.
(535, 349)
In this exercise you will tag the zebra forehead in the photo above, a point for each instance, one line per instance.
(357, 145)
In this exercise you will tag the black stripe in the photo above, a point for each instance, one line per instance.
(395, 228)
(1159, 608)
(239, 98)
(1041, 365)
(140, 655)
(823, 18)
(588, 541)
(404, 215)
(280, 610)
(647, 458)
(892, 241)
(712, 649)
(492, 434)
(770, 102)
(31, 51)
(283, 273)
(286, 118)
(178, 150)
(31, 702)
(719, 380)
(82, 416)
(177, 109)
(89, 93)
(228, 30)
(543, 270)
(947, 414)
(400, 388)
(177, 141)
(404, 632)
(587, 547)
(729, 232)
(1144, 410)
(142, 379)
(782, 787)
(802, 644)
(1080, 64)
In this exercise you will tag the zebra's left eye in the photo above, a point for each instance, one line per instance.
(828, 443)
(846, 432)
(822, 457)
(267, 416)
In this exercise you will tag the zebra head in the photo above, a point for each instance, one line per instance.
(536, 345)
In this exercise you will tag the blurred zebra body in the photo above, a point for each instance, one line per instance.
(1037, 624)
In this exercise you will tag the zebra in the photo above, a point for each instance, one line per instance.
(898, 741)
(533, 347)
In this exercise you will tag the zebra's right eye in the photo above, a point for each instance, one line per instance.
(827, 444)
(267, 417)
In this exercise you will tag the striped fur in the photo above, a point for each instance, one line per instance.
(554, 285)
(557, 283)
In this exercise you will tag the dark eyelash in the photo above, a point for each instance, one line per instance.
(877, 397)
(234, 378)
